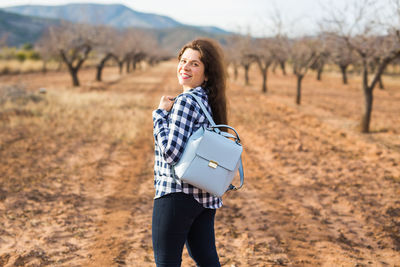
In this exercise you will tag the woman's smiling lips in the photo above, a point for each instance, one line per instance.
(185, 76)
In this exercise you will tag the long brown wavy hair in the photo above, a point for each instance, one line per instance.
(215, 71)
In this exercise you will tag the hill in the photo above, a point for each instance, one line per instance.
(25, 24)
(115, 15)
(20, 29)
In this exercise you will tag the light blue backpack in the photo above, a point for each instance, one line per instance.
(210, 159)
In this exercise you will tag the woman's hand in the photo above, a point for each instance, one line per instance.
(166, 102)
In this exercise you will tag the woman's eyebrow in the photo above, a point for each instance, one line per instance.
(193, 60)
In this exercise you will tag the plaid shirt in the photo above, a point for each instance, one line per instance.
(171, 132)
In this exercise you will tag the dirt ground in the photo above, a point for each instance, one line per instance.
(76, 172)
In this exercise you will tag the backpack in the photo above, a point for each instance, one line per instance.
(210, 159)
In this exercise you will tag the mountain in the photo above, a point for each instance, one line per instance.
(27, 23)
(20, 29)
(115, 15)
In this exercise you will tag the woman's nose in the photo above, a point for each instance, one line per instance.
(186, 66)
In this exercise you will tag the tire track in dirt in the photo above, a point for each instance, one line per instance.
(124, 226)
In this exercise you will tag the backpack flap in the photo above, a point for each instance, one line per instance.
(219, 150)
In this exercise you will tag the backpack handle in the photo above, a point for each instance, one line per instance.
(237, 139)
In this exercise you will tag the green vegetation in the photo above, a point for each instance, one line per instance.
(24, 53)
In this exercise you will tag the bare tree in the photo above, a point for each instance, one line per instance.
(263, 55)
(281, 44)
(135, 44)
(239, 54)
(144, 45)
(373, 64)
(341, 55)
(73, 42)
(104, 48)
(281, 51)
(302, 55)
(151, 52)
(121, 48)
(371, 40)
(244, 47)
(45, 50)
(232, 54)
(322, 54)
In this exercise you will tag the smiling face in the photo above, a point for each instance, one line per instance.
(190, 69)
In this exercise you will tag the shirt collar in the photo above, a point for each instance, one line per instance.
(199, 89)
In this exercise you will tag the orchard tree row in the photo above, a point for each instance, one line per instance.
(73, 44)
(357, 36)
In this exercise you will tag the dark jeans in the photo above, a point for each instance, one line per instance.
(178, 219)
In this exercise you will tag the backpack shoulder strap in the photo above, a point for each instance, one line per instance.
(198, 100)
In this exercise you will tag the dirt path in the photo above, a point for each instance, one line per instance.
(124, 223)
(76, 184)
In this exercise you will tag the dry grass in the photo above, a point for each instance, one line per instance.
(14, 66)
(26, 66)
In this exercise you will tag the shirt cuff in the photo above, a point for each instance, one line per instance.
(158, 115)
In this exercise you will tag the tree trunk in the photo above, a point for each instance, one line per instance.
(298, 96)
(344, 73)
(44, 66)
(73, 70)
(101, 65)
(128, 66)
(368, 97)
(134, 65)
(235, 72)
(274, 67)
(366, 117)
(264, 85)
(121, 65)
(319, 72)
(381, 83)
(246, 74)
(74, 75)
(282, 64)
(75, 78)
(99, 72)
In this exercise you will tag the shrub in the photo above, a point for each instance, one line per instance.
(27, 47)
(20, 55)
(32, 55)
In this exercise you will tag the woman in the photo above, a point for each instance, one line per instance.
(183, 213)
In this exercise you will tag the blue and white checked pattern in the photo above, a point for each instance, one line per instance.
(171, 132)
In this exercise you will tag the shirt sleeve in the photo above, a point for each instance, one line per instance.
(172, 130)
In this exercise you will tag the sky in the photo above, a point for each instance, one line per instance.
(242, 16)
